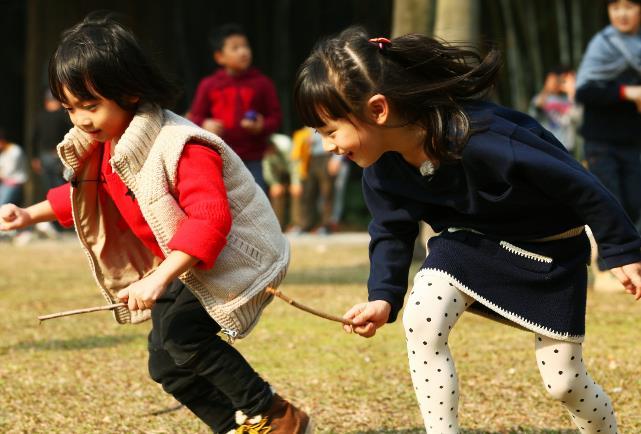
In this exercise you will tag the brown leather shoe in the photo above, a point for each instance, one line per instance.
(281, 418)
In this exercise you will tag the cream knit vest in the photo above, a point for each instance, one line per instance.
(146, 159)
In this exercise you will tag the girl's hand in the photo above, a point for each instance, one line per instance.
(142, 294)
(368, 317)
(630, 276)
(13, 217)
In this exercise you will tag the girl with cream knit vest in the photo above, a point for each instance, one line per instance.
(171, 221)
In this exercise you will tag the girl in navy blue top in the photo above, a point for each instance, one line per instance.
(508, 201)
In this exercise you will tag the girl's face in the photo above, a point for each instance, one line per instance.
(356, 140)
(625, 16)
(103, 119)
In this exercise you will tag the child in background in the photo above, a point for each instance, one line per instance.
(237, 102)
(554, 106)
(13, 171)
(317, 181)
(168, 216)
(277, 170)
(508, 201)
(609, 88)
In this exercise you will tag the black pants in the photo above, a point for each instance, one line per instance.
(195, 365)
(618, 167)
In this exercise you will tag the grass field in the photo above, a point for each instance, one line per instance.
(86, 374)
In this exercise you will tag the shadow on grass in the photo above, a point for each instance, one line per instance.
(336, 275)
(86, 343)
(518, 430)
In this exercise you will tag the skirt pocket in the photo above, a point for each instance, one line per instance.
(524, 259)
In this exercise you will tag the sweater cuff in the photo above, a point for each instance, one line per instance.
(623, 259)
(198, 239)
(622, 93)
(60, 200)
(386, 296)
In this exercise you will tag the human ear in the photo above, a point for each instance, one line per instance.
(378, 109)
(218, 56)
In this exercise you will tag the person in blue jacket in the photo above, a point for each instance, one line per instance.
(508, 201)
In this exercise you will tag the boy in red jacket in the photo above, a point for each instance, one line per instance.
(237, 102)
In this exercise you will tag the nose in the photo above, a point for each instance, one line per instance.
(81, 120)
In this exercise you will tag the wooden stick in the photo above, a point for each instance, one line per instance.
(79, 311)
(272, 291)
(308, 309)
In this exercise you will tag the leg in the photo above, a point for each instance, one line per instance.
(309, 200)
(326, 191)
(630, 163)
(602, 162)
(433, 308)
(256, 169)
(183, 329)
(567, 380)
(199, 396)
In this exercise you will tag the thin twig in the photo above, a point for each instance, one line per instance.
(273, 291)
(308, 309)
(79, 311)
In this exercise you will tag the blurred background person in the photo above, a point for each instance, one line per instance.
(51, 125)
(609, 88)
(277, 171)
(13, 171)
(555, 109)
(338, 167)
(318, 183)
(237, 102)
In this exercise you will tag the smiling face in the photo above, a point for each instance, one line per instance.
(625, 16)
(103, 119)
(352, 138)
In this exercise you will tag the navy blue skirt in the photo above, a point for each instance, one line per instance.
(538, 286)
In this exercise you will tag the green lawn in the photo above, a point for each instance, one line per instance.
(87, 374)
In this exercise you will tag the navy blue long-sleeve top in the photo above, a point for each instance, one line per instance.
(514, 181)
(606, 117)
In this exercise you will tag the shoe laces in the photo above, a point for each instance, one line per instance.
(257, 428)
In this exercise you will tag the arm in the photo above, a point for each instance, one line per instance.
(392, 233)
(200, 106)
(599, 94)
(201, 236)
(564, 180)
(272, 116)
(144, 293)
(13, 217)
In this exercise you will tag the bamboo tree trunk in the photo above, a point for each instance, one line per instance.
(457, 20)
(528, 21)
(564, 41)
(412, 16)
(514, 61)
(577, 33)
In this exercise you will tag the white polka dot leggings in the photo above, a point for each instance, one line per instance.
(433, 308)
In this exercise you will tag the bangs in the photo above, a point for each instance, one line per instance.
(315, 97)
(70, 70)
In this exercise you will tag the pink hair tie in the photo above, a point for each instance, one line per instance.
(381, 42)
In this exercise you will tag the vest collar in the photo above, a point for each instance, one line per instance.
(134, 144)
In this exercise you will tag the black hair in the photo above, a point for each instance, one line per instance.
(3, 135)
(560, 69)
(425, 81)
(101, 57)
(220, 34)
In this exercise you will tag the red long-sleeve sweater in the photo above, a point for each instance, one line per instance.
(200, 192)
(227, 98)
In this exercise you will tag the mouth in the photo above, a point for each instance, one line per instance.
(92, 132)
